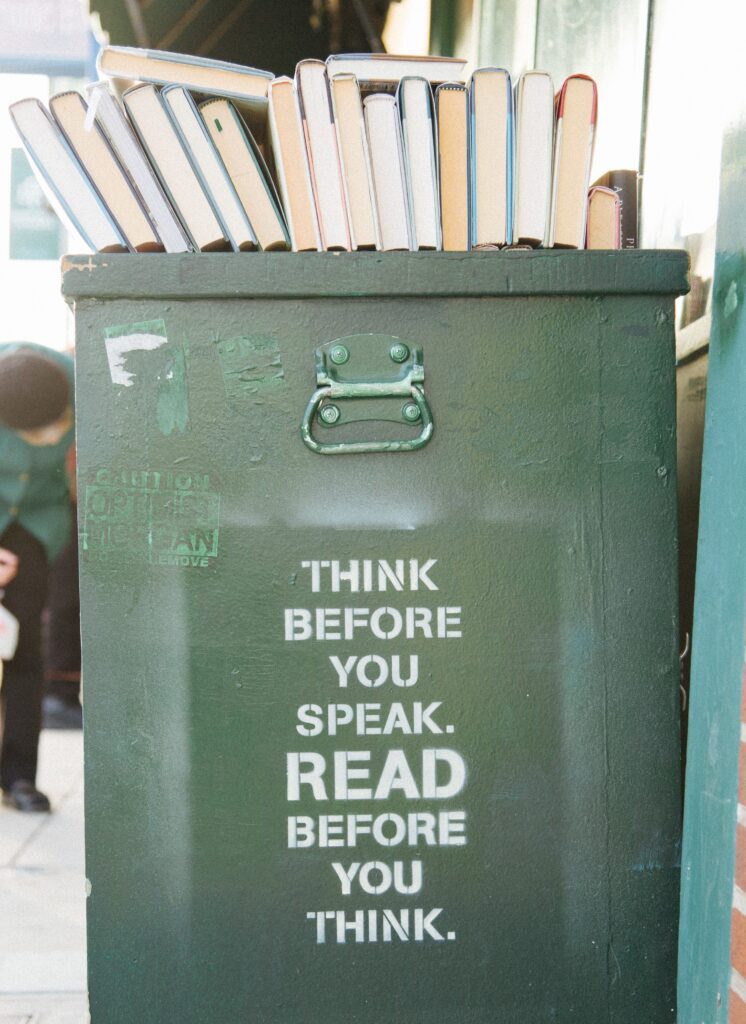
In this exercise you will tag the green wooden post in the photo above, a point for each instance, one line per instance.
(380, 737)
(715, 716)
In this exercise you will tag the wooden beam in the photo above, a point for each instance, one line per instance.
(134, 11)
(170, 37)
(222, 27)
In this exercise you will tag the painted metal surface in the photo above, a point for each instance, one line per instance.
(387, 737)
(715, 730)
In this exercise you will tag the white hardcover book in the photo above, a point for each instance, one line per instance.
(534, 140)
(210, 167)
(387, 164)
(63, 179)
(169, 159)
(105, 108)
(323, 154)
(415, 103)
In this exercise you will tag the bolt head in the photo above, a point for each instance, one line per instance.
(411, 412)
(399, 352)
(329, 414)
(339, 354)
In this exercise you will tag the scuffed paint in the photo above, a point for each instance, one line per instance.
(251, 365)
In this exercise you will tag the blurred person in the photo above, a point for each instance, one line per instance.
(36, 431)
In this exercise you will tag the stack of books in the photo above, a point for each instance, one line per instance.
(361, 152)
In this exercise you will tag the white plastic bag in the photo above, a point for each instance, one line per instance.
(8, 634)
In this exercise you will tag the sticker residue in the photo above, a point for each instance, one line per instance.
(128, 338)
(143, 358)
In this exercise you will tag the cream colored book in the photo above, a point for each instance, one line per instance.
(199, 74)
(163, 147)
(491, 113)
(355, 160)
(604, 229)
(70, 110)
(323, 154)
(452, 109)
(387, 163)
(248, 172)
(291, 163)
(573, 151)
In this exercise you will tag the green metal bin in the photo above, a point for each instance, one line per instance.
(379, 636)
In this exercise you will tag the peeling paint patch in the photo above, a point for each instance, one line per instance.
(172, 406)
(251, 366)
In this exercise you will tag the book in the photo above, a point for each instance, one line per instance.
(381, 69)
(64, 181)
(414, 101)
(387, 165)
(323, 154)
(491, 156)
(248, 171)
(209, 166)
(355, 161)
(603, 228)
(70, 111)
(625, 184)
(534, 137)
(291, 164)
(169, 159)
(452, 116)
(107, 112)
(576, 107)
(199, 74)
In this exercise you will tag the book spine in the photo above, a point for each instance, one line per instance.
(625, 184)
(510, 164)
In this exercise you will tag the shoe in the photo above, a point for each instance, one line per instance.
(58, 713)
(24, 796)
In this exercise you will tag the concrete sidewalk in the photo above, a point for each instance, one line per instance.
(42, 896)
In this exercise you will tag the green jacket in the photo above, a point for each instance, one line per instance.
(33, 479)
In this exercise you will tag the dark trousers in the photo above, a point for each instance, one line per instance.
(61, 624)
(23, 677)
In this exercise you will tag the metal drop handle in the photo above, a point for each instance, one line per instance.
(367, 366)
